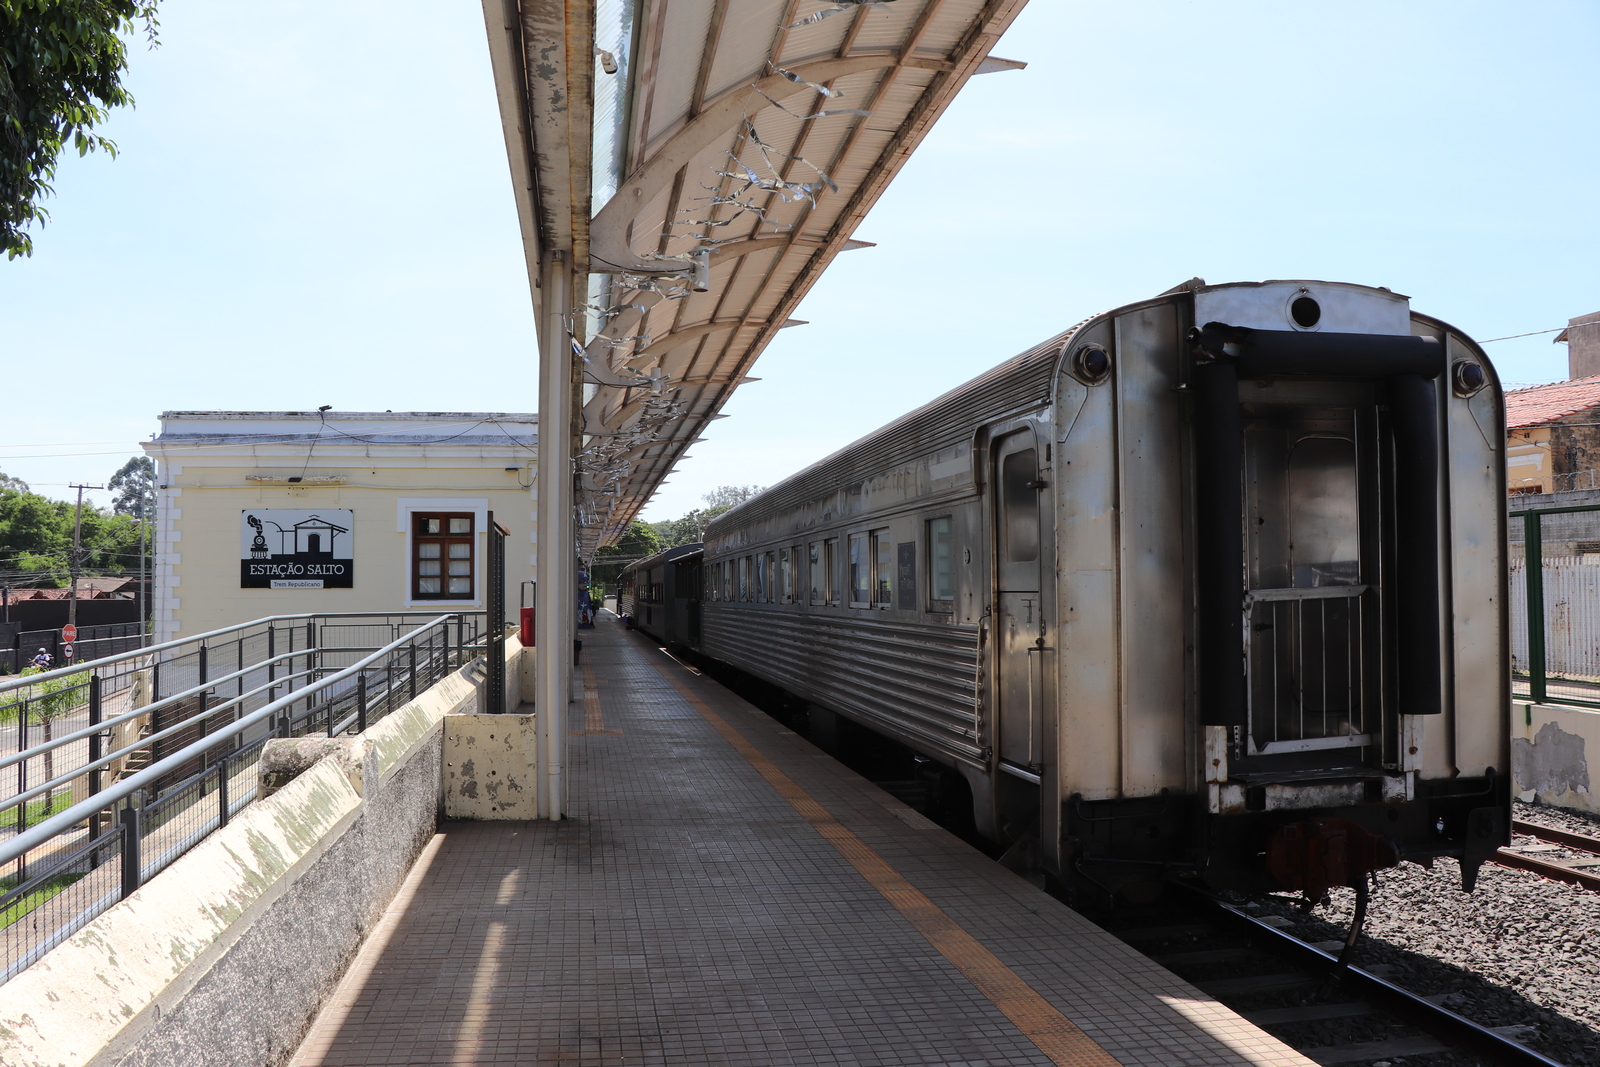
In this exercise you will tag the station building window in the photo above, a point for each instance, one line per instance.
(882, 567)
(860, 571)
(442, 557)
(941, 563)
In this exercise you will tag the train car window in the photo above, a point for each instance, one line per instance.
(744, 578)
(1019, 496)
(772, 578)
(785, 577)
(830, 569)
(819, 594)
(860, 572)
(441, 561)
(941, 563)
(763, 580)
(882, 568)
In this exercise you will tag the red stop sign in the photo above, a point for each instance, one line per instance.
(69, 633)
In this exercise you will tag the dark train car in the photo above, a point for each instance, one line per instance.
(661, 596)
(1213, 582)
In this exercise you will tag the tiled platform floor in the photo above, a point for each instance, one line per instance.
(758, 904)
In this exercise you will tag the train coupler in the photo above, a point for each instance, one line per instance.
(1315, 855)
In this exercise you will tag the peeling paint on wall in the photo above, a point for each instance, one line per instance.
(1553, 763)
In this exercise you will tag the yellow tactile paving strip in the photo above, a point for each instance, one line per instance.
(1052, 1032)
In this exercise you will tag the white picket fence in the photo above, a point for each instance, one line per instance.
(1571, 614)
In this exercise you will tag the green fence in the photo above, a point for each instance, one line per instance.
(1555, 604)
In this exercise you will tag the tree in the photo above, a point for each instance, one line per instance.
(728, 496)
(8, 482)
(135, 486)
(639, 541)
(690, 528)
(61, 64)
(36, 539)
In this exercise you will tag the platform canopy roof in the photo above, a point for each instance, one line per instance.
(700, 163)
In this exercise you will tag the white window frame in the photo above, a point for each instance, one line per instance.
(405, 507)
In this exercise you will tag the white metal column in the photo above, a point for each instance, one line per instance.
(556, 596)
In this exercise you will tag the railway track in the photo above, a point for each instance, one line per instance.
(1294, 989)
(1581, 870)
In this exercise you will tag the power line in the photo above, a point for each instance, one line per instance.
(1536, 333)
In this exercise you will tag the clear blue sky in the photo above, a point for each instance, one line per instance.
(313, 207)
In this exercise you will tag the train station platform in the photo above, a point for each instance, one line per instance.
(725, 893)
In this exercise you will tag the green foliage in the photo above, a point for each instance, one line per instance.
(728, 496)
(36, 539)
(687, 529)
(61, 64)
(135, 486)
(638, 542)
(690, 528)
(49, 700)
(28, 901)
(8, 482)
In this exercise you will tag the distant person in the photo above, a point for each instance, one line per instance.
(42, 660)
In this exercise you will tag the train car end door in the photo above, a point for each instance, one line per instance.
(1019, 606)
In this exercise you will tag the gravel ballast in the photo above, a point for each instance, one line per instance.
(1520, 950)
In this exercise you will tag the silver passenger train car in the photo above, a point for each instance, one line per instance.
(1211, 583)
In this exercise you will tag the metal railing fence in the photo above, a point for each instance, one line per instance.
(1555, 604)
(94, 642)
(84, 838)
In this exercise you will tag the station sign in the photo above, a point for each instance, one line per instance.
(286, 549)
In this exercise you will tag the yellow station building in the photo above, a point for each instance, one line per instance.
(286, 512)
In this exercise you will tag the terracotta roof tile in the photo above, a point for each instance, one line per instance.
(1547, 403)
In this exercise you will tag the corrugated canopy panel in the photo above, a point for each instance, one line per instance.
(736, 148)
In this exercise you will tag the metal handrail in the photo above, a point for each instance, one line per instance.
(31, 839)
(156, 705)
(24, 680)
(173, 699)
(1319, 592)
(181, 725)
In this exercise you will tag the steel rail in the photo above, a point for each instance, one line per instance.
(1559, 872)
(1434, 1018)
(25, 680)
(1581, 842)
(41, 833)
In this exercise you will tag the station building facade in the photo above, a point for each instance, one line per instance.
(287, 512)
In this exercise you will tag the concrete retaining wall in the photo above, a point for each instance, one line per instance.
(225, 958)
(1550, 745)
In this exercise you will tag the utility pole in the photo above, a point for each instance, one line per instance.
(146, 511)
(77, 558)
